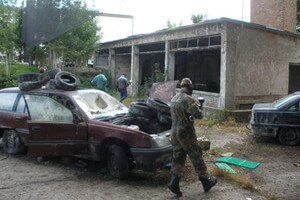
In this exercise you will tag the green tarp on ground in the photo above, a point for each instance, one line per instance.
(225, 167)
(238, 161)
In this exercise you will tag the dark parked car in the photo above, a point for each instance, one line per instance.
(87, 124)
(280, 119)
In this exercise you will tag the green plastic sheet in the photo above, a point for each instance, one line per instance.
(225, 167)
(239, 162)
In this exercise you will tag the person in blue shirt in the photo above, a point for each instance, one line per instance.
(122, 85)
(101, 81)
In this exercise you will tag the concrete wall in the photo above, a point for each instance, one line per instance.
(123, 66)
(275, 13)
(258, 61)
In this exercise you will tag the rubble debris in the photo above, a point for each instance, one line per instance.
(228, 154)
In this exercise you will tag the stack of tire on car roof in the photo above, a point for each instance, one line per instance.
(155, 114)
(53, 79)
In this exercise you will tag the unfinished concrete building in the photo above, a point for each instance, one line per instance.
(233, 64)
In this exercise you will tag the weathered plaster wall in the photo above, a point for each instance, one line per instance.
(258, 64)
(123, 66)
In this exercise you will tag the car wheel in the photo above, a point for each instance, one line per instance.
(29, 85)
(46, 76)
(27, 77)
(12, 143)
(141, 109)
(67, 81)
(117, 162)
(289, 136)
(158, 105)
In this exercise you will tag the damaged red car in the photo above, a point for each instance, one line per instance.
(87, 124)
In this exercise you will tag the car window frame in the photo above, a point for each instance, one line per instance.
(21, 95)
(296, 102)
(15, 103)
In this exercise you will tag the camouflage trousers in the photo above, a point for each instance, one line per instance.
(185, 143)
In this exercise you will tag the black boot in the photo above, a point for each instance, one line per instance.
(174, 185)
(208, 183)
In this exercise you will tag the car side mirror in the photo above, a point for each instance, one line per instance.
(201, 101)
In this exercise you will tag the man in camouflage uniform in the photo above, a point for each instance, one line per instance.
(183, 109)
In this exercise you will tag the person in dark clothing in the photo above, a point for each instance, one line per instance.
(184, 140)
(122, 85)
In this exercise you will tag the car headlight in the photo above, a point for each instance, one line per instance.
(160, 141)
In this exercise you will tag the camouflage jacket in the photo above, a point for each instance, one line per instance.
(182, 107)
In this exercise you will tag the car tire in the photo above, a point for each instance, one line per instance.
(27, 77)
(67, 81)
(140, 109)
(158, 105)
(51, 85)
(164, 119)
(289, 136)
(117, 162)
(46, 76)
(29, 85)
(12, 142)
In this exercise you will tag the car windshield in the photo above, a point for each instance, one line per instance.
(98, 104)
(281, 101)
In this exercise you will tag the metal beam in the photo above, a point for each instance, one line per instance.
(115, 15)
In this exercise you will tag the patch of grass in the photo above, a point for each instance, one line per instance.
(205, 122)
(258, 158)
(214, 151)
(243, 180)
(267, 148)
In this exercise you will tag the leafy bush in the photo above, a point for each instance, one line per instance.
(15, 70)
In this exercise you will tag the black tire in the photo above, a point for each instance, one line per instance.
(164, 119)
(158, 105)
(289, 136)
(67, 81)
(51, 85)
(45, 77)
(12, 142)
(29, 85)
(140, 109)
(117, 162)
(27, 77)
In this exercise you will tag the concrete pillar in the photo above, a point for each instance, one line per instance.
(112, 67)
(135, 70)
(169, 63)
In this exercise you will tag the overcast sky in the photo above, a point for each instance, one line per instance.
(152, 15)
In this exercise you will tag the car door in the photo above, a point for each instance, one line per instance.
(7, 104)
(20, 118)
(291, 116)
(53, 130)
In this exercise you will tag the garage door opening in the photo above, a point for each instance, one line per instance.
(149, 63)
(203, 67)
(294, 78)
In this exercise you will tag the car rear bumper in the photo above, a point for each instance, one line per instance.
(152, 158)
(264, 130)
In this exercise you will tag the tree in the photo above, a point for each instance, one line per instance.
(198, 18)
(173, 25)
(77, 45)
(9, 20)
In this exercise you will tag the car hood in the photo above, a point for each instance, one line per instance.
(263, 106)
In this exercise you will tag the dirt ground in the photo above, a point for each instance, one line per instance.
(278, 176)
